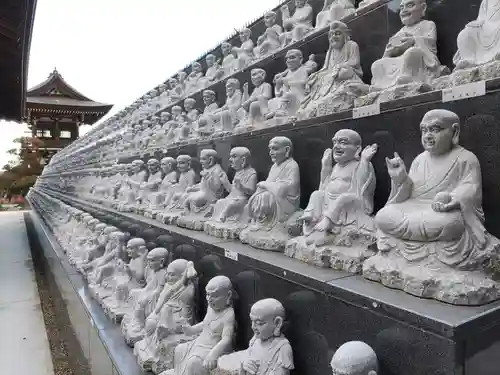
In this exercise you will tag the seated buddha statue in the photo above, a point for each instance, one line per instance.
(275, 201)
(269, 41)
(211, 73)
(298, 25)
(228, 61)
(169, 173)
(205, 121)
(338, 213)
(134, 182)
(227, 214)
(191, 115)
(269, 352)
(199, 198)
(290, 86)
(148, 188)
(229, 115)
(193, 83)
(411, 54)
(255, 105)
(334, 10)
(433, 220)
(479, 42)
(174, 125)
(335, 86)
(244, 53)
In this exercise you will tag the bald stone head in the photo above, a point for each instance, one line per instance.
(412, 12)
(267, 316)
(440, 130)
(175, 270)
(167, 164)
(280, 149)
(346, 146)
(219, 293)
(135, 246)
(157, 258)
(183, 163)
(239, 158)
(354, 358)
(208, 158)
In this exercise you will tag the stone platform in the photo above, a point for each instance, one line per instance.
(325, 308)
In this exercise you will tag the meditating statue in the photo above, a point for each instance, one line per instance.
(150, 187)
(174, 126)
(334, 10)
(215, 333)
(157, 200)
(192, 83)
(256, 104)
(337, 225)
(211, 73)
(299, 25)
(228, 61)
(177, 87)
(269, 352)
(229, 115)
(128, 276)
(142, 302)
(205, 121)
(134, 183)
(289, 88)
(244, 54)
(173, 203)
(479, 42)
(163, 327)
(105, 243)
(338, 83)
(276, 200)
(410, 57)
(431, 237)
(269, 42)
(354, 358)
(228, 215)
(198, 199)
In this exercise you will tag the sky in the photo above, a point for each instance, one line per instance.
(114, 51)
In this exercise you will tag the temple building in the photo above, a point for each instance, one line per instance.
(55, 110)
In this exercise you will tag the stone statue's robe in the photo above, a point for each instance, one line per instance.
(150, 188)
(345, 196)
(281, 197)
(135, 182)
(205, 121)
(458, 238)
(231, 207)
(227, 116)
(298, 25)
(334, 10)
(176, 193)
(210, 189)
(479, 41)
(340, 77)
(189, 357)
(274, 356)
(420, 62)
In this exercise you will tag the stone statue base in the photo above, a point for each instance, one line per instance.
(230, 364)
(392, 93)
(126, 207)
(193, 221)
(168, 217)
(134, 334)
(228, 231)
(431, 279)
(115, 311)
(464, 76)
(342, 253)
(274, 239)
(277, 120)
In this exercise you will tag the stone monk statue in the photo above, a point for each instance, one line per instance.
(269, 352)
(354, 358)
(411, 54)
(275, 200)
(433, 220)
(228, 213)
(479, 42)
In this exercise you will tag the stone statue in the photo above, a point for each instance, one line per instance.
(269, 352)
(338, 83)
(142, 302)
(157, 200)
(337, 225)
(334, 10)
(198, 199)
(174, 125)
(290, 87)
(269, 42)
(256, 104)
(193, 83)
(206, 121)
(129, 275)
(107, 241)
(244, 54)
(276, 201)
(211, 73)
(227, 219)
(215, 333)
(134, 183)
(478, 54)
(163, 328)
(410, 61)
(354, 358)
(173, 203)
(150, 187)
(229, 115)
(299, 25)
(431, 237)
(228, 61)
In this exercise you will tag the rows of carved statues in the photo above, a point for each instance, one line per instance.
(409, 66)
(428, 240)
(153, 298)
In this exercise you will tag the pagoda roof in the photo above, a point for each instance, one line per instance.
(58, 96)
(16, 27)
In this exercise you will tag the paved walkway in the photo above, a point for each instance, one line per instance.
(24, 348)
